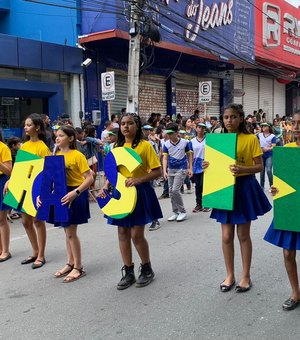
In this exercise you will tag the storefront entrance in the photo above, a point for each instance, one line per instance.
(14, 110)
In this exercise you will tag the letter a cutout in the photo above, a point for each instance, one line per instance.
(53, 188)
(24, 183)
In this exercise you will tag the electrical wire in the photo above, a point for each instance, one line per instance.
(114, 9)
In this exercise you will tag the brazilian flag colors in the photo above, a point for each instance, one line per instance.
(218, 185)
(286, 166)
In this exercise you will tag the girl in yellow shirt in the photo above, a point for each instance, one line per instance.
(35, 144)
(132, 227)
(79, 178)
(5, 171)
(249, 199)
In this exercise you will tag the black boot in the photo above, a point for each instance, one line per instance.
(128, 277)
(146, 275)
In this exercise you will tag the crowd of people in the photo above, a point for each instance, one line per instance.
(173, 155)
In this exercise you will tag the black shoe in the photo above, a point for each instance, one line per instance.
(240, 289)
(162, 196)
(39, 264)
(127, 279)
(226, 288)
(290, 304)
(154, 226)
(29, 259)
(146, 275)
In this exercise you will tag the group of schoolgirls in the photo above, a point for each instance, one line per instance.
(249, 203)
(79, 178)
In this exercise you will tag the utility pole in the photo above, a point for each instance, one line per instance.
(134, 56)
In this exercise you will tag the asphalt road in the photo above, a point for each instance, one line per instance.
(183, 302)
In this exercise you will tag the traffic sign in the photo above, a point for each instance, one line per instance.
(205, 90)
(108, 86)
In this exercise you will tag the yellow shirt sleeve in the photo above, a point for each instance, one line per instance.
(5, 154)
(152, 158)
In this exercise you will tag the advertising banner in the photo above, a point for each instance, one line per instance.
(224, 28)
(278, 32)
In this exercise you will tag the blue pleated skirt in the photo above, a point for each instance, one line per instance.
(282, 238)
(249, 202)
(78, 213)
(147, 209)
(3, 180)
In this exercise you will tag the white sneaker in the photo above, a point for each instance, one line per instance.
(181, 217)
(173, 218)
(189, 191)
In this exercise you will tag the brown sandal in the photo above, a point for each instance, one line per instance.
(62, 274)
(70, 278)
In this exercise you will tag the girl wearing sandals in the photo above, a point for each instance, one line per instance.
(5, 171)
(79, 178)
(36, 139)
(249, 199)
(288, 240)
(147, 209)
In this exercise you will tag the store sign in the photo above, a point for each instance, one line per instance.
(220, 27)
(207, 16)
(280, 32)
(108, 86)
(223, 27)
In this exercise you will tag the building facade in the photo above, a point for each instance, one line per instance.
(200, 41)
(40, 64)
(271, 85)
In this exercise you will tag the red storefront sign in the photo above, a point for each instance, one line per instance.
(277, 32)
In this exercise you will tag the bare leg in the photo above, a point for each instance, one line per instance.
(70, 259)
(291, 269)
(75, 248)
(140, 243)
(228, 251)
(27, 222)
(4, 235)
(125, 245)
(243, 232)
(41, 239)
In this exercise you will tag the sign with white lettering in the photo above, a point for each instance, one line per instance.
(205, 90)
(108, 86)
(279, 27)
(220, 27)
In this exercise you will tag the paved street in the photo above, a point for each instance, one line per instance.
(184, 301)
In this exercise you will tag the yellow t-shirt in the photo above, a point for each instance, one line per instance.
(5, 154)
(247, 148)
(291, 145)
(38, 148)
(76, 165)
(149, 158)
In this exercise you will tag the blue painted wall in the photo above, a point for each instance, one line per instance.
(41, 22)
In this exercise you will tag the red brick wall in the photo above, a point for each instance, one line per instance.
(152, 99)
(187, 101)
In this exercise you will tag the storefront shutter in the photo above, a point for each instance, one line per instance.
(279, 99)
(152, 95)
(266, 96)
(187, 95)
(250, 99)
(238, 85)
